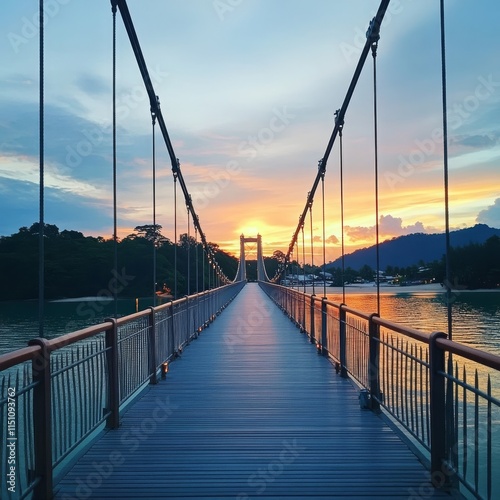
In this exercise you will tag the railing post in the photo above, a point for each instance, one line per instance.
(373, 367)
(153, 377)
(312, 337)
(188, 320)
(42, 420)
(171, 337)
(324, 319)
(438, 412)
(343, 341)
(113, 420)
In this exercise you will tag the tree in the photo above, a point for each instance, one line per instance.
(150, 233)
(186, 241)
(367, 273)
(49, 230)
(71, 235)
(279, 256)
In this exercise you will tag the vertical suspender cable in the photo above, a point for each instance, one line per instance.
(341, 154)
(304, 258)
(196, 289)
(188, 253)
(295, 256)
(208, 271)
(451, 432)
(115, 231)
(202, 271)
(374, 46)
(41, 225)
(312, 244)
(175, 236)
(155, 231)
(324, 233)
(446, 184)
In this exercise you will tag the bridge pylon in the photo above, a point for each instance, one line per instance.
(242, 269)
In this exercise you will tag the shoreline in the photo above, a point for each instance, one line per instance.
(370, 289)
(351, 289)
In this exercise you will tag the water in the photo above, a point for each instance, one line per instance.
(476, 315)
(476, 322)
(19, 319)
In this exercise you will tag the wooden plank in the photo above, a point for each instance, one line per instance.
(249, 411)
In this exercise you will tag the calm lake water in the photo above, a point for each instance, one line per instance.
(19, 319)
(476, 322)
(476, 315)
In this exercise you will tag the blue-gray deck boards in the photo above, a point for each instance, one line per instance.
(249, 411)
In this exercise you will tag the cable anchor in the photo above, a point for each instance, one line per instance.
(155, 109)
(339, 120)
(373, 35)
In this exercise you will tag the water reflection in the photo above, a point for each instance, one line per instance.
(475, 315)
(19, 319)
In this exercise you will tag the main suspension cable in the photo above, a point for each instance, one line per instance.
(373, 29)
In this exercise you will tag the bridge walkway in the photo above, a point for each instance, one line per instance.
(249, 411)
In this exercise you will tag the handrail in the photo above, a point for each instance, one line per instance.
(71, 338)
(17, 357)
(485, 358)
(415, 378)
(89, 375)
(405, 330)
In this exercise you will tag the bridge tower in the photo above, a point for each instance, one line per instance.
(242, 269)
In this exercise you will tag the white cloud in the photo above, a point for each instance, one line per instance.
(389, 227)
(490, 215)
(25, 170)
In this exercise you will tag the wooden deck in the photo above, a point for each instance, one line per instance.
(249, 411)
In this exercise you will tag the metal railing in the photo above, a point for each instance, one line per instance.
(443, 394)
(57, 394)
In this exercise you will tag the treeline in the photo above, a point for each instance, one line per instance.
(78, 265)
(472, 266)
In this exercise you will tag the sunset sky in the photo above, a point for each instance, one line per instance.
(248, 90)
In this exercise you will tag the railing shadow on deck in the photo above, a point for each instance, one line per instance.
(443, 395)
(56, 395)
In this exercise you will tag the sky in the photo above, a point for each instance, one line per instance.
(248, 91)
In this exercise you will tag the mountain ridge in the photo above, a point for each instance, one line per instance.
(410, 249)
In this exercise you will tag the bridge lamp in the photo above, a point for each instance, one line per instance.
(164, 369)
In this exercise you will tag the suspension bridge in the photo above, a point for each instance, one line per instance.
(247, 390)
